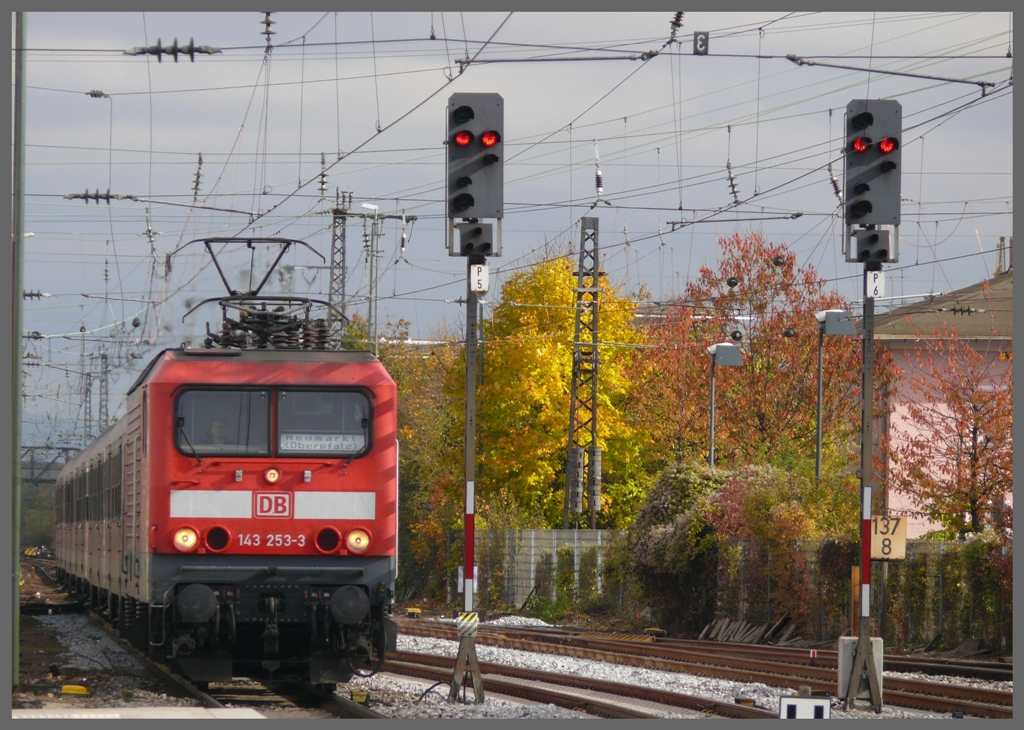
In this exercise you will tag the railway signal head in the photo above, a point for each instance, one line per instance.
(476, 156)
(476, 239)
(872, 245)
(872, 184)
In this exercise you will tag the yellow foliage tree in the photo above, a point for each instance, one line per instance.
(431, 435)
(523, 402)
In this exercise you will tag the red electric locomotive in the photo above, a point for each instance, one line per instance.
(241, 518)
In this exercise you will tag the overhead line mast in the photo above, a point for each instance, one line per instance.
(583, 466)
(339, 265)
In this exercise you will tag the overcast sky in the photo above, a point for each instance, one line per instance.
(665, 126)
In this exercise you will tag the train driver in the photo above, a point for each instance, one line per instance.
(218, 434)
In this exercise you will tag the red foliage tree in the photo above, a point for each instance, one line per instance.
(956, 462)
(765, 410)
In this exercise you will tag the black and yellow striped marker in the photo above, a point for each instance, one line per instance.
(467, 623)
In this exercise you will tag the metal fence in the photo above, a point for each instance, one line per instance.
(560, 565)
(936, 591)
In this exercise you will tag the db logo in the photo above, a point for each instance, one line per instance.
(273, 504)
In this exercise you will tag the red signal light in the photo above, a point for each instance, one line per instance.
(490, 138)
(463, 138)
(888, 144)
(861, 144)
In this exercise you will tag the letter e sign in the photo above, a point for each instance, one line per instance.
(700, 43)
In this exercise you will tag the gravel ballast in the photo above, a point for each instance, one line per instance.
(724, 690)
(116, 679)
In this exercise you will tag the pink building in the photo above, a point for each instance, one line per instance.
(982, 316)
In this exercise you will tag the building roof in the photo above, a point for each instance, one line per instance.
(982, 311)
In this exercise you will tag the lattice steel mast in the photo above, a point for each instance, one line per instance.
(104, 392)
(583, 465)
(339, 266)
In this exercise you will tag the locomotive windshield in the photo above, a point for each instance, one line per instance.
(223, 422)
(334, 423)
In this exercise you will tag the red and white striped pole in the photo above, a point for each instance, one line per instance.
(468, 583)
(865, 558)
(471, 355)
(466, 661)
(867, 462)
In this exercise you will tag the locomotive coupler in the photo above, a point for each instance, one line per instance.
(318, 602)
(384, 594)
(361, 648)
(271, 635)
(232, 624)
(186, 640)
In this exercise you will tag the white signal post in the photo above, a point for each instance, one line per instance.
(871, 205)
(474, 190)
(466, 661)
(863, 662)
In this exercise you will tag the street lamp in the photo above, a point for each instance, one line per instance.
(830, 322)
(725, 354)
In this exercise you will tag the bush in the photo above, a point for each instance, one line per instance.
(713, 541)
(674, 553)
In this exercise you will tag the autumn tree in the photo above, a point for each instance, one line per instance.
(955, 458)
(771, 511)
(431, 439)
(523, 402)
(758, 298)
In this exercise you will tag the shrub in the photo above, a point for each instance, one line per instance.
(674, 553)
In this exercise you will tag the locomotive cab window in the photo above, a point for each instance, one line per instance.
(334, 423)
(223, 422)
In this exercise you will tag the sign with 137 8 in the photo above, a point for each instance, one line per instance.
(888, 537)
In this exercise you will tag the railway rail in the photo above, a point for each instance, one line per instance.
(528, 684)
(938, 666)
(773, 666)
(917, 694)
(264, 695)
(256, 695)
(51, 598)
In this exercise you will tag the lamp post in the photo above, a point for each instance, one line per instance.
(725, 354)
(830, 322)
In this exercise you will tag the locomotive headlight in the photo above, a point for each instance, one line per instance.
(357, 541)
(272, 475)
(186, 539)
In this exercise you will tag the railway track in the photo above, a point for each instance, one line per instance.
(50, 597)
(769, 665)
(274, 695)
(239, 694)
(533, 684)
(938, 666)
(917, 694)
(251, 694)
